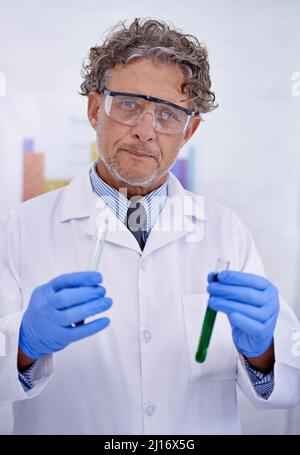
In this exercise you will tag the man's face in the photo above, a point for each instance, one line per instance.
(138, 155)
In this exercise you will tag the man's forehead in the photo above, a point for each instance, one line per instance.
(147, 78)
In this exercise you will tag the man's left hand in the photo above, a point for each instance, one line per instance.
(251, 303)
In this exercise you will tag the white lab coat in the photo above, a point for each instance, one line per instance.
(138, 376)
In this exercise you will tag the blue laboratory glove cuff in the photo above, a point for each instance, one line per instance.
(256, 353)
(24, 347)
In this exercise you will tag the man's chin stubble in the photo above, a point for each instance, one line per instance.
(114, 169)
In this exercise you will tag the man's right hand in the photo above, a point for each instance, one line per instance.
(54, 308)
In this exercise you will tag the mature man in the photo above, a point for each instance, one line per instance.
(134, 370)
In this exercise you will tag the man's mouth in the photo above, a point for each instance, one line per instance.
(138, 153)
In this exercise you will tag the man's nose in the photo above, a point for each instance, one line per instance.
(145, 128)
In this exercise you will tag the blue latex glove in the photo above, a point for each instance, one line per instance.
(53, 307)
(251, 303)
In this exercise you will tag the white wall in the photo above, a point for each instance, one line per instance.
(248, 148)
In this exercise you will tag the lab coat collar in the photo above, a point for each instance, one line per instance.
(80, 201)
(195, 206)
(183, 212)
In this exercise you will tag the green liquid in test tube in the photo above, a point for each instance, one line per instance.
(97, 248)
(209, 318)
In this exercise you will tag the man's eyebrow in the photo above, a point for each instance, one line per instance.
(134, 92)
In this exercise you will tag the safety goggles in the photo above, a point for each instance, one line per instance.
(130, 108)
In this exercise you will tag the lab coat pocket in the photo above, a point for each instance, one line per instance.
(221, 359)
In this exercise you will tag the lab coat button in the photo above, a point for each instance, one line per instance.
(150, 409)
(143, 265)
(146, 335)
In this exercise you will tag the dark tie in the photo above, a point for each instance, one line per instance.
(136, 221)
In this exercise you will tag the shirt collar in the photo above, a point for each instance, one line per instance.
(78, 200)
(153, 202)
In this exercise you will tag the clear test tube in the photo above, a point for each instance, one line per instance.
(98, 243)
(209, 318)
(97, 248)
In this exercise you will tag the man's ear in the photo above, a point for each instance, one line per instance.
(193, 125)
(93, 108)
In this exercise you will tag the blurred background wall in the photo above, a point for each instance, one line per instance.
(245, 154)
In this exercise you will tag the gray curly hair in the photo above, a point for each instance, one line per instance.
(163, 44)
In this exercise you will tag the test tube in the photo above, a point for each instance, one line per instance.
(98, 243)
(97, 248)
(209, 318)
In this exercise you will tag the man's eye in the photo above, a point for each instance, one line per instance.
(167, 115)
(129, 105)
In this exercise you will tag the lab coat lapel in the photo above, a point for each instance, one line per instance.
(182, 216)
(80, 201)
(117, 231)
